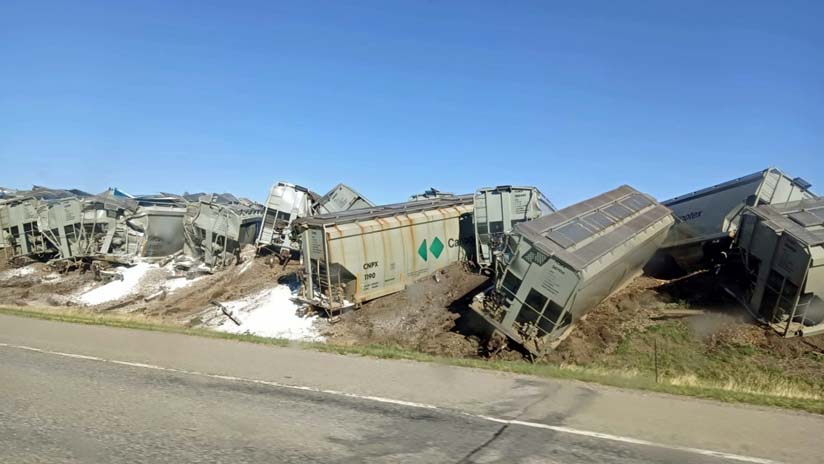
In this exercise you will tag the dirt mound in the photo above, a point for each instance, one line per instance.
(39, 285)
(601, 331)
(424, 317)
(713, 321)
(184, 304)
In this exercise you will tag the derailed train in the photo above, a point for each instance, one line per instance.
(551, 269)
(708, 219)
(549, 266)
(782, 278)
(288, 202)
(558, 267)
(358, 255)
(554, 267)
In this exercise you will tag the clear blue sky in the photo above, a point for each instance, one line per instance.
(394, 97)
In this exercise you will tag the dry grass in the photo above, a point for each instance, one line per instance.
(765, 385)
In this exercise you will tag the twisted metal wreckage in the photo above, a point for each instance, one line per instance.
(763, 233)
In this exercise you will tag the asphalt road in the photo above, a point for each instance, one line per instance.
(81, 394)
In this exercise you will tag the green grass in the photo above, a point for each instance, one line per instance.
(631, 367)
(684, 360)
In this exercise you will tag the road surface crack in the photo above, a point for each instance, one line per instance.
(467, 459)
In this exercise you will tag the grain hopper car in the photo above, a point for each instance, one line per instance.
(558, 267)
(355, 256)
(782, 253)
(708, 219)
(497, 210)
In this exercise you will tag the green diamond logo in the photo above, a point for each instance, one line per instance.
(436, 248)
(422, 250)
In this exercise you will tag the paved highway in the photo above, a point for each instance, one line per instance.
(82, 394)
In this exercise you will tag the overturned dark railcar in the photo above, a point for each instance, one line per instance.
(560, 266)
(782, 249)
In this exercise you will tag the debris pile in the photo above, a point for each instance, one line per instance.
(216, 227)
(288, 202)
(461, 275)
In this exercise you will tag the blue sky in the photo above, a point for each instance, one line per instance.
(393, 97)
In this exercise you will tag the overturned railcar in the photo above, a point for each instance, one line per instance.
(20, 230)
(40, 222)
(709, 218)
(497, 210)
(560, 266)
(358, 255)
(342, 198)
(285, 203)
(92, 226)
(288, 202)
(782, 248)
(215, 231)
(160, 218)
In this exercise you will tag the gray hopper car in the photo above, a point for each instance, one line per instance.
(215, 232)
(90, 226)
(285, 203)
(20, 230)
(782, 248)
(358, 255)
(342, 198)
(497, 210)
(560, 266)
(288, 202)
(162, 226)
(709, 218)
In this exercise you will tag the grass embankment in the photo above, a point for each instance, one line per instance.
(739, 374)
(731, 367)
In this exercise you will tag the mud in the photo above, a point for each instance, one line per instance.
(184, 305)
(432, 315)
(428, 316)
(40, 286)
(714, 321)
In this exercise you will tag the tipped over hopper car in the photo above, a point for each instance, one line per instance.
(92, 226)
(560, 266)
(342, 198)
(497, 210)
(67, 224)
(160, 218)
(355, 256)
(20, 230)
(285, 203)
(288, 202)
(782, 248)
(709, 218)
(216, 231)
